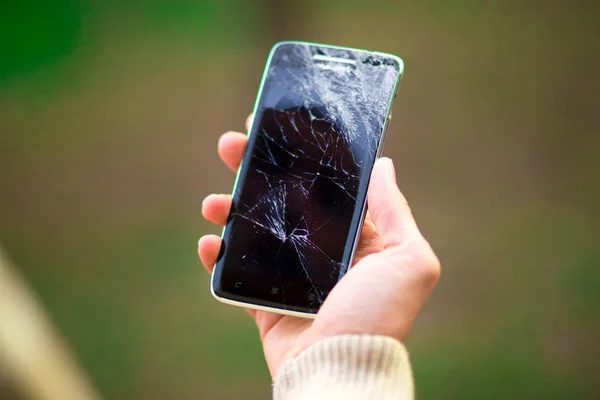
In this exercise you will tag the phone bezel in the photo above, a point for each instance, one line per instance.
(287, 309)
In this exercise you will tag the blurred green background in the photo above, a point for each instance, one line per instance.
(109, 117)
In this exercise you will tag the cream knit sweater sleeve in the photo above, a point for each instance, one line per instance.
(347, 367)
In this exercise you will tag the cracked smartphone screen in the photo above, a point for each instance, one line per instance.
(301, 190)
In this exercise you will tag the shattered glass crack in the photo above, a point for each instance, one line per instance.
(317, 129)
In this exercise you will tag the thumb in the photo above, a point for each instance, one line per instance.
(387, 206)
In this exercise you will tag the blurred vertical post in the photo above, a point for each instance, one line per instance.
(31, 352)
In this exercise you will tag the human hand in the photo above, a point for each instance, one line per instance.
(393, 272)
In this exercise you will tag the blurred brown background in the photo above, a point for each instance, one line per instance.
(109, 117)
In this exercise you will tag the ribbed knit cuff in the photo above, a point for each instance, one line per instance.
(352, 366)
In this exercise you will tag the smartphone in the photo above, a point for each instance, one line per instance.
(299, 197)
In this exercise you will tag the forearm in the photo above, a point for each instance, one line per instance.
(349, 367)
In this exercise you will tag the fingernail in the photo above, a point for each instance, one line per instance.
(392, 169)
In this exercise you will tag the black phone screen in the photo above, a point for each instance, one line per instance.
(301, 190)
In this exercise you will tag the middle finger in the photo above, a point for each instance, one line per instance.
(231, 148)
